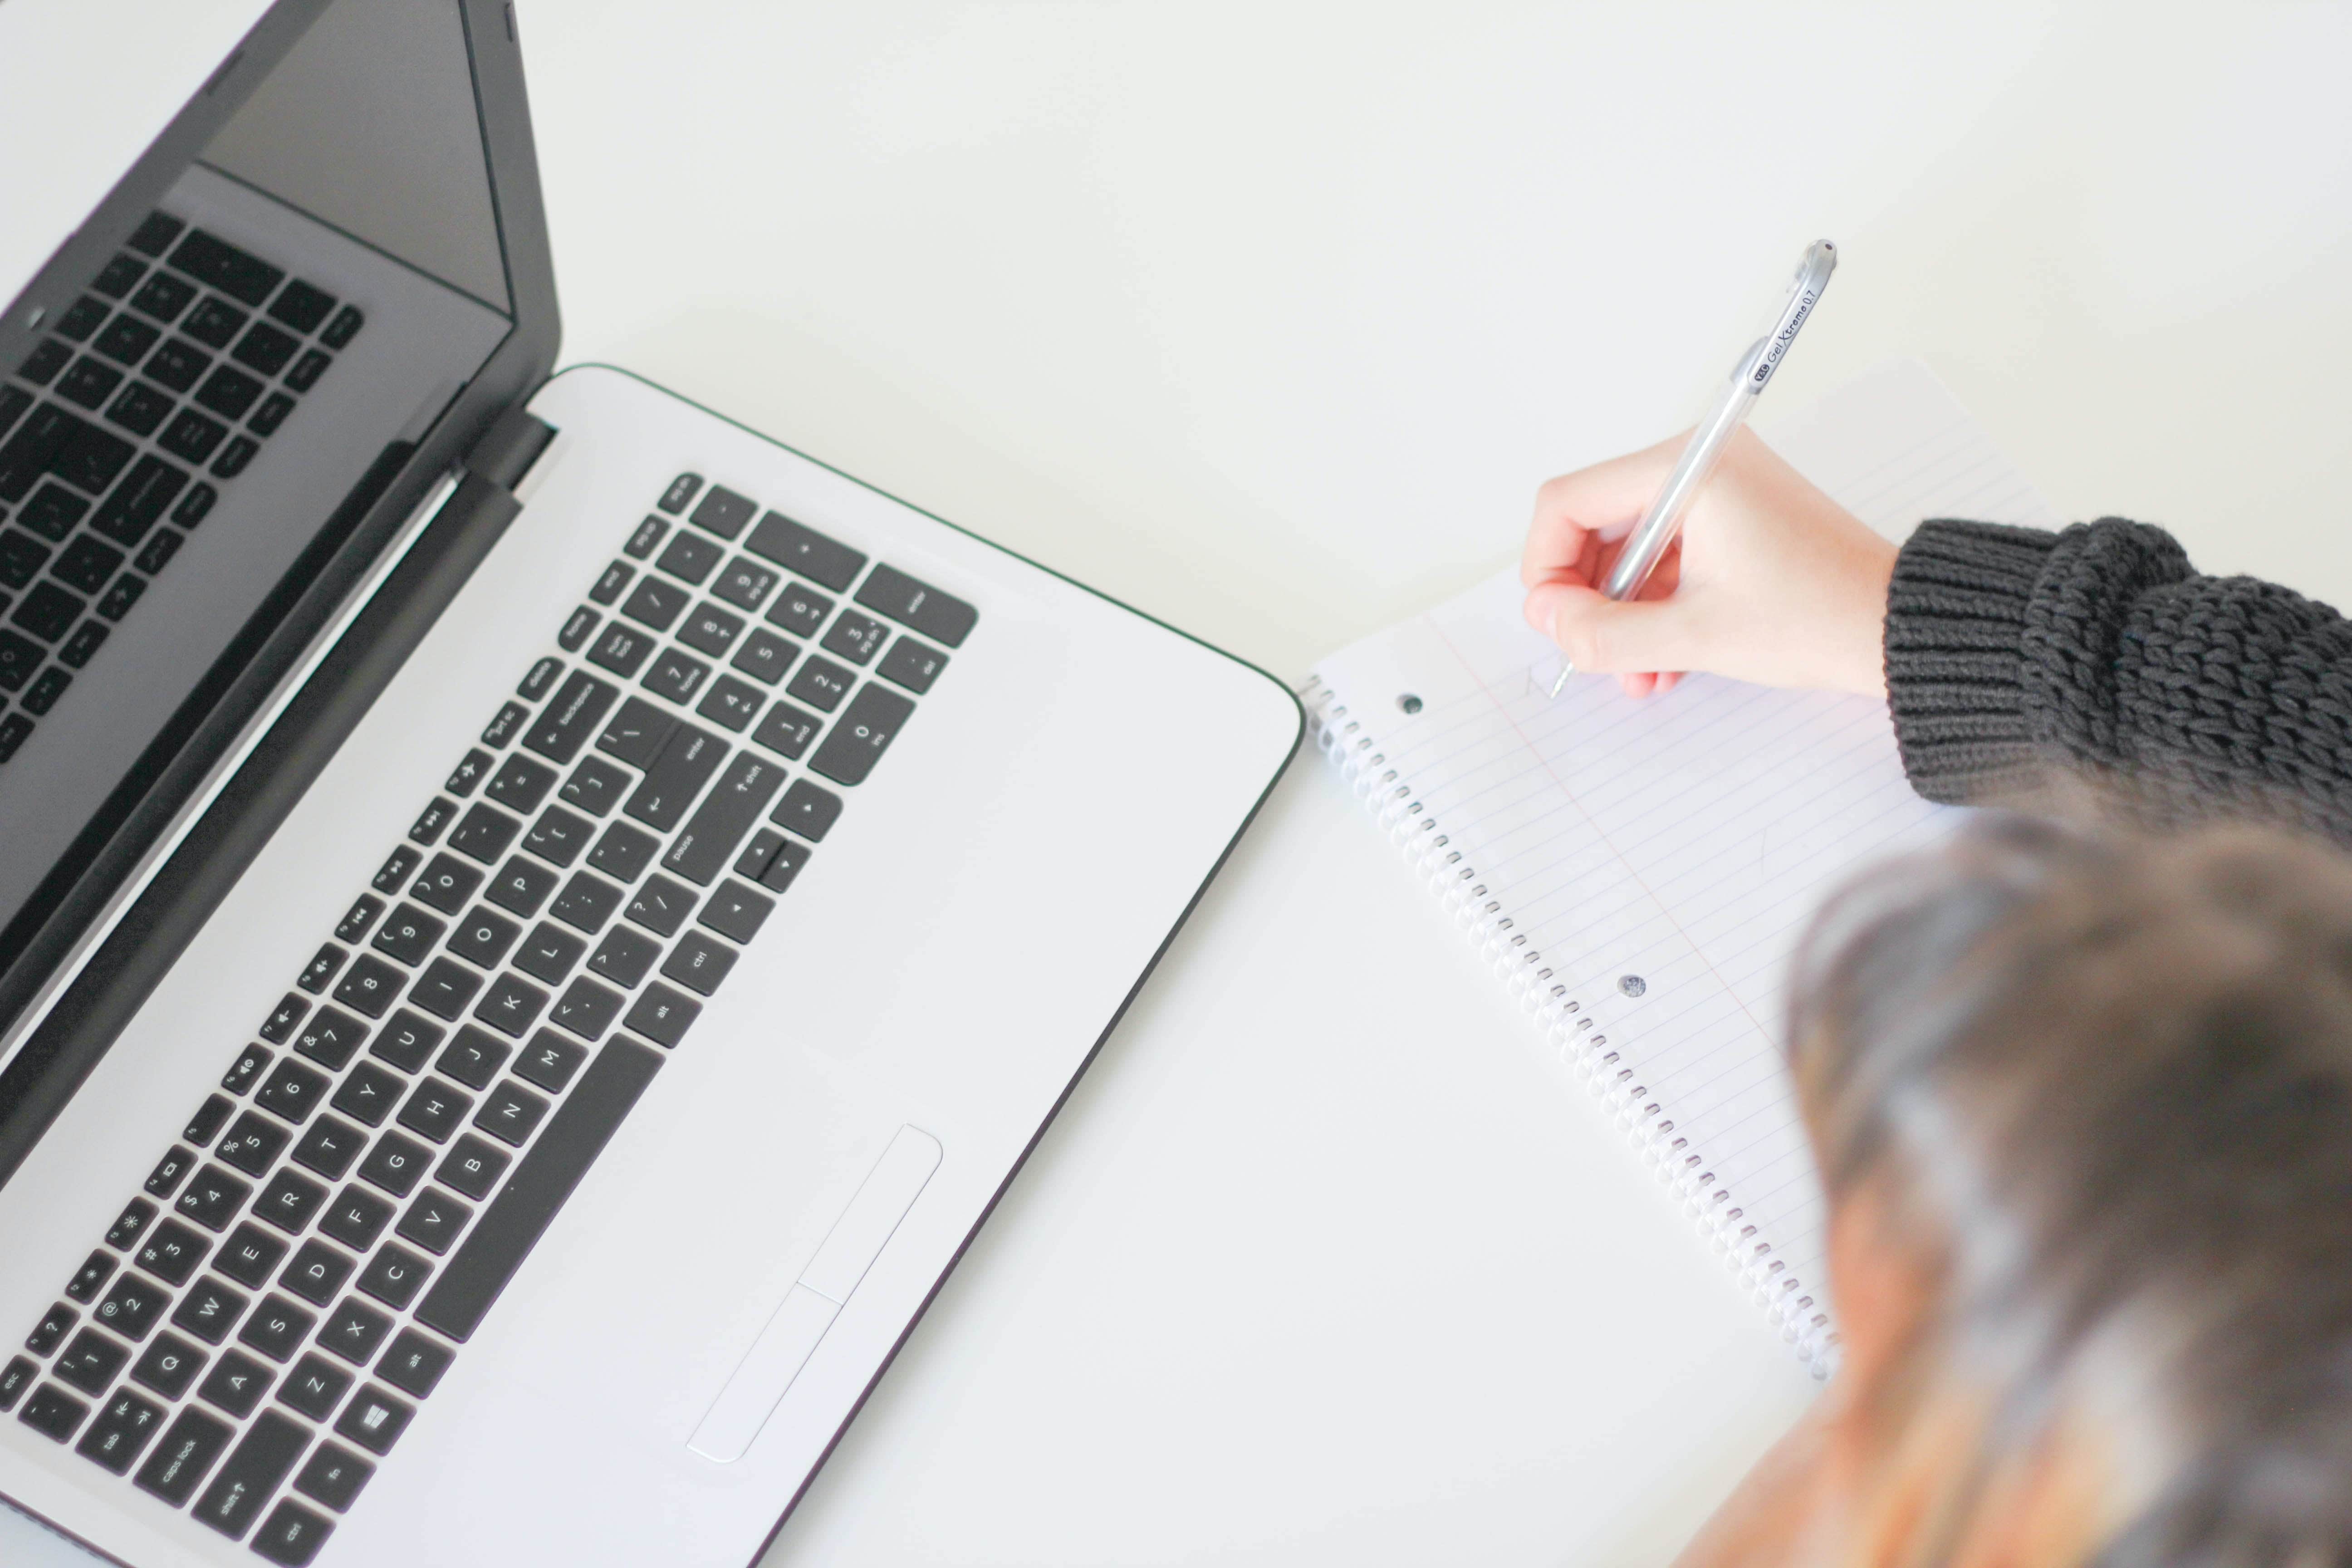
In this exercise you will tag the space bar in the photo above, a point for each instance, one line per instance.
(512, 1225)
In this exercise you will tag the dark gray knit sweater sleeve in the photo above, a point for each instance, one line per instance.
(2016, 657)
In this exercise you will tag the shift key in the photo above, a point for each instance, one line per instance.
(686, 762)
(566, 723)
(709, 841)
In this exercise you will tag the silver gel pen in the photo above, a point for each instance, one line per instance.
(1646, 545)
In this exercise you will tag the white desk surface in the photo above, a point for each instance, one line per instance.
(1267, 319)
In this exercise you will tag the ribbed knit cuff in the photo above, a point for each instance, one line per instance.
(1954, 622)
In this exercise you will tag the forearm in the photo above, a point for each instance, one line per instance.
(2020, 662)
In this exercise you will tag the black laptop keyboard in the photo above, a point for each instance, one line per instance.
(263, 1323)
(153, 390)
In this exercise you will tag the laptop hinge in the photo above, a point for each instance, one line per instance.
(507, 450)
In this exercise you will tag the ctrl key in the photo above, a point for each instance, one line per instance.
(292, 1535)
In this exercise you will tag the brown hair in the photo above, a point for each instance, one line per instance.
(2105, 1084)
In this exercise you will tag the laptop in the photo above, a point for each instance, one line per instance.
(535, 922)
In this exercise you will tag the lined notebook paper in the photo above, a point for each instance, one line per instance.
(1640, 871)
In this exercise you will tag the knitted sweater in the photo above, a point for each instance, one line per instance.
(2020, 662)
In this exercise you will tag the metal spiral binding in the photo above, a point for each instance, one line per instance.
(1795, 1307)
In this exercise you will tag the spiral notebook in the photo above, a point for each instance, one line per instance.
(1640, 872)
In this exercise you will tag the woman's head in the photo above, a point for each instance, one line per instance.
(2084, 1106)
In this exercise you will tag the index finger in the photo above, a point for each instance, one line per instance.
(1574, 510)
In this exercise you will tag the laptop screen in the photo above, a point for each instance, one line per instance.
(197, 431)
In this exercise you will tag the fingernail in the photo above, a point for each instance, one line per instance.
(1542, 609)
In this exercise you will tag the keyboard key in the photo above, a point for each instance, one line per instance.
(290, 1201)
(171, 1253)
(85, 566)
(691, 557)
(170, 1172)
(79, 649)
(800, 610)
(89, 383)
(117, 601)
(509, 1112)
(301, 306)
(662, 1014)
(131, 1224)
(623, 853)
(159, 551)
(53, 512)
(484, 833)
(265, 419)
(223, 267)
(333, 1035)
(252, 1472)
(406, 1041)
(735, 911)
(394, 1163)
(155, 234)
(822, 684)
(292, 1092)
(709, 840)
(250, 1256)
(334, 1476)
(240, 451)
(191, 436)
(765, 656)
(655, 604)
(369, 1094)
(699, 963)
(393, 1276)
(292, 1535)
(435, 1109)
(132, 1307)
(681, 491)
(139, 409)
(126, 339)
(235, 1384)
(252, 1145)
(637, 732)
(711, 630)
(264, 349)
(520, 784)
(369, 986)
(512, 1223)
(434, 821)
(354, 1329)
(358, 920)
(277, 1028)
(163, 296)
(41, 366)
(13, 730)
(308, 370)
(855, 637)
(16, 1377)
(21, 558)
(549, 1061)
(474, 1057)
(622, 649)
(539, 678)
(520, 887)
(567, 723)
(332, 1144)
(865, 731)
(808, 810)
(434, 1220)
(506, 725)
(374, 1420)
(625, 957)
(676, 778)
(759, 854)
(48, 612)
(548, 954)
(415, 1363)
(917, 606)
(47, 687)
(559, 835)
(343, 328)
(91, 1277)
(214, 1196)
(746, 582)
(396, 871)
(81, 318)
(192, 1446)
(51, 1331)
(585, 903)
(648, 534)
(615, 578)
(586, 1008)
(511, 1005)
(228, 392)
(356, 1218)
(168, 1366)
(209, 1311)
(178, 364)
(317, 1272)
(90, 1363)
(29, 452)
(805, 551)
(125, 1424)
(662, 906)
(314, 1387)
(482, 938)
(444, 988)
(53, 1413)
(732, 704)
(574, 635)
(446, 884)
(473, 1166)
(723, 512)
(20, 657)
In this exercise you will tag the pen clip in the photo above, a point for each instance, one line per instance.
(1805, 289)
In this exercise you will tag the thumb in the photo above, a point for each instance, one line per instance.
(1601, 636)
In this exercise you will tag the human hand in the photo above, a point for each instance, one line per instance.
(1771, 581)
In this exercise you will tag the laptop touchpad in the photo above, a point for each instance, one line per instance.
(808, 1308)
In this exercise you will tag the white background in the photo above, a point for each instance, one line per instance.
(1267, 319)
